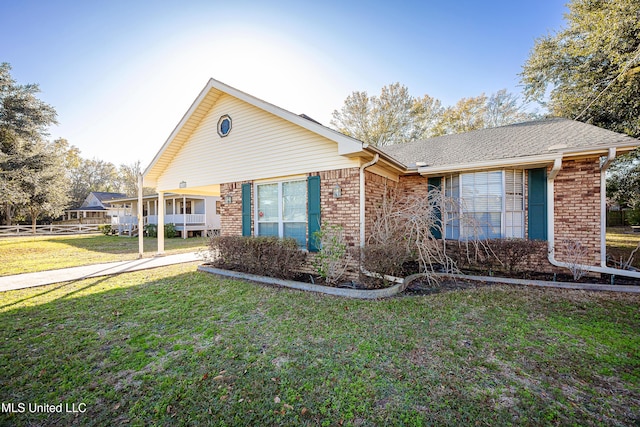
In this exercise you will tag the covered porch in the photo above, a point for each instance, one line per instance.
(190, 215)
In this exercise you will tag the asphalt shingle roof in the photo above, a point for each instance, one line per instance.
(546, 136)
(104, 196)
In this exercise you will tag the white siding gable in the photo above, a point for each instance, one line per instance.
(260, 145)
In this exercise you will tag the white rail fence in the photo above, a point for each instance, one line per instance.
(21, 230)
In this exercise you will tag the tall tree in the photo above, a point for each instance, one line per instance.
(590, 70)
(504, 108)
(395, 116)
(623, 182)
(426, 113)
(92, 175)
(468, 114)
(43, 180)
(128, 175)
(26, 159)
(355, 118)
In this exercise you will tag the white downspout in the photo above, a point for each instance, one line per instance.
(603, 205)
(363, 199)
(557, 165)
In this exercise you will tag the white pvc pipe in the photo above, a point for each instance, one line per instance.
(551, 219)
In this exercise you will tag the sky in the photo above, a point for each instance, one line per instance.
(122, 74)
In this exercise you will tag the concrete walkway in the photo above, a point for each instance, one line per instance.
(29, 280)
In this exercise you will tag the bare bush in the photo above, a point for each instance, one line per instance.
(576, 254)
(333, 258)
(418, 223)
(628, 263)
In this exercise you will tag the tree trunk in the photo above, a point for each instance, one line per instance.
(34, 220)
(8, 214)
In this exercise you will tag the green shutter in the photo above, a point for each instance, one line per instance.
(246, 209)
(436, 183)
(313, 210)
(537, 206)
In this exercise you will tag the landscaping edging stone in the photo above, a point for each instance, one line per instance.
(561, 285)
(343, 292)
(400, 287)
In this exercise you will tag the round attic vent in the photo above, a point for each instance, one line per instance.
(224, 125)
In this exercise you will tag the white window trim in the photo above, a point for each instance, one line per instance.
(503, 213)
(281, 220)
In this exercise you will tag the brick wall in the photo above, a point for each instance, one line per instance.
(577, 207)
(375, 188)
(344, 210)
(231, 214)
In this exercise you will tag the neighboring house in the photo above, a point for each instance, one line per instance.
(191, 215)
(96, 209)
(283, 174)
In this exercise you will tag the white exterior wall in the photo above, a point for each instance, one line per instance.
(260, 145)
(213, 220)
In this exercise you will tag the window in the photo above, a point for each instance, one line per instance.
(494, 201)
(224, 125)
(514, 203)
(181, 207)
(282, 210)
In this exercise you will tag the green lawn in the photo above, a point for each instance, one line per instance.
(40, 253)
(173, 346)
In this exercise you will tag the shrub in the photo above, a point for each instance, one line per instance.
(386, 259)
(634, 217)
(151, 230)
(106, 229)
(501, 255)
(576, 254)
(333, 258)
(265, 256)
(170, 231)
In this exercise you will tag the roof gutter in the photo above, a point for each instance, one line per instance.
(557, 165)
(488, 164)
(401, 167)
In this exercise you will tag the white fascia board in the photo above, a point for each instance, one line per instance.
(176, 130)
(490, 164)
(600, 150)
(346, 144)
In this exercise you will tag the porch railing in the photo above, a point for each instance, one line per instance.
(168, 219)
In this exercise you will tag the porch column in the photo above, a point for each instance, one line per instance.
(184, 217)
(161, 208)
(140, 219)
